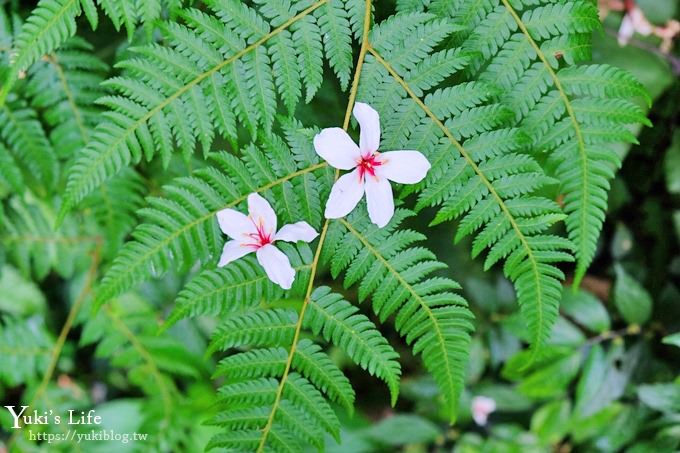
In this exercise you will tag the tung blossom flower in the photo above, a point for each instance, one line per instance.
(372, 171)
(482, 407)
(634, 21)
(257, 233)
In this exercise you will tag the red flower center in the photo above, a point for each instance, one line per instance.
(367, 165)
(260, 237)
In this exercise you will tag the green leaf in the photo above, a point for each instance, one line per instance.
(632, 300)
(551, 422)
(338, 321)
(601, 382)
(673, 339)
(661, 397)
(585, 309)
(672, 165)
(404, 429)
(552, 379)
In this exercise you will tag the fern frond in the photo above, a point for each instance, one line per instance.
(258, 328)
(528, 50)
(151, 110)
(51, 23)
(241, 285)
(399, 279)
(25, 347)
(31, 244)
(182, 229)
(337, 41)
(114, 206)
(251, 394)
(338, 321)
(124, 335)
(25, 137)
(10, 172)
(296, 389)
(481, 188)
(65, 86)
(584, 171)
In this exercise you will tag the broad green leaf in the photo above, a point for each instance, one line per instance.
(622, 242)
(553, 379)
(551, 422)
(662, 397)
(673, 339)
(404, 429)
(601, 382)
(586, 310)
(632, 300)
(672, 165)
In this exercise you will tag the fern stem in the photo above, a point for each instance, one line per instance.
(360, 65)
(581, 265)
(66, 328)
(485, 181)
(322, 237)
(198, 79)
(298, 328)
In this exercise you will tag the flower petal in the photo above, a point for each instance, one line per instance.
(337, 148)
(626, 30)
(276, 265)
(232, 251)
(299, 231)
(234, 224)
(379, 201)
(345, 195)
(640, 22)
(262, 214)
(369, 121)
(404, 167)
(482, 406)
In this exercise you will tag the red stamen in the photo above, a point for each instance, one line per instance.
(261, 237)
(367, 164)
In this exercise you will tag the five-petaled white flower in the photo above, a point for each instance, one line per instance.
(372, 170)
(482, 407)
(257, 233)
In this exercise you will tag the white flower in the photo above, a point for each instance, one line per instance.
(482, 406)
(257, 233)
(634, 21)
(371, 170)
